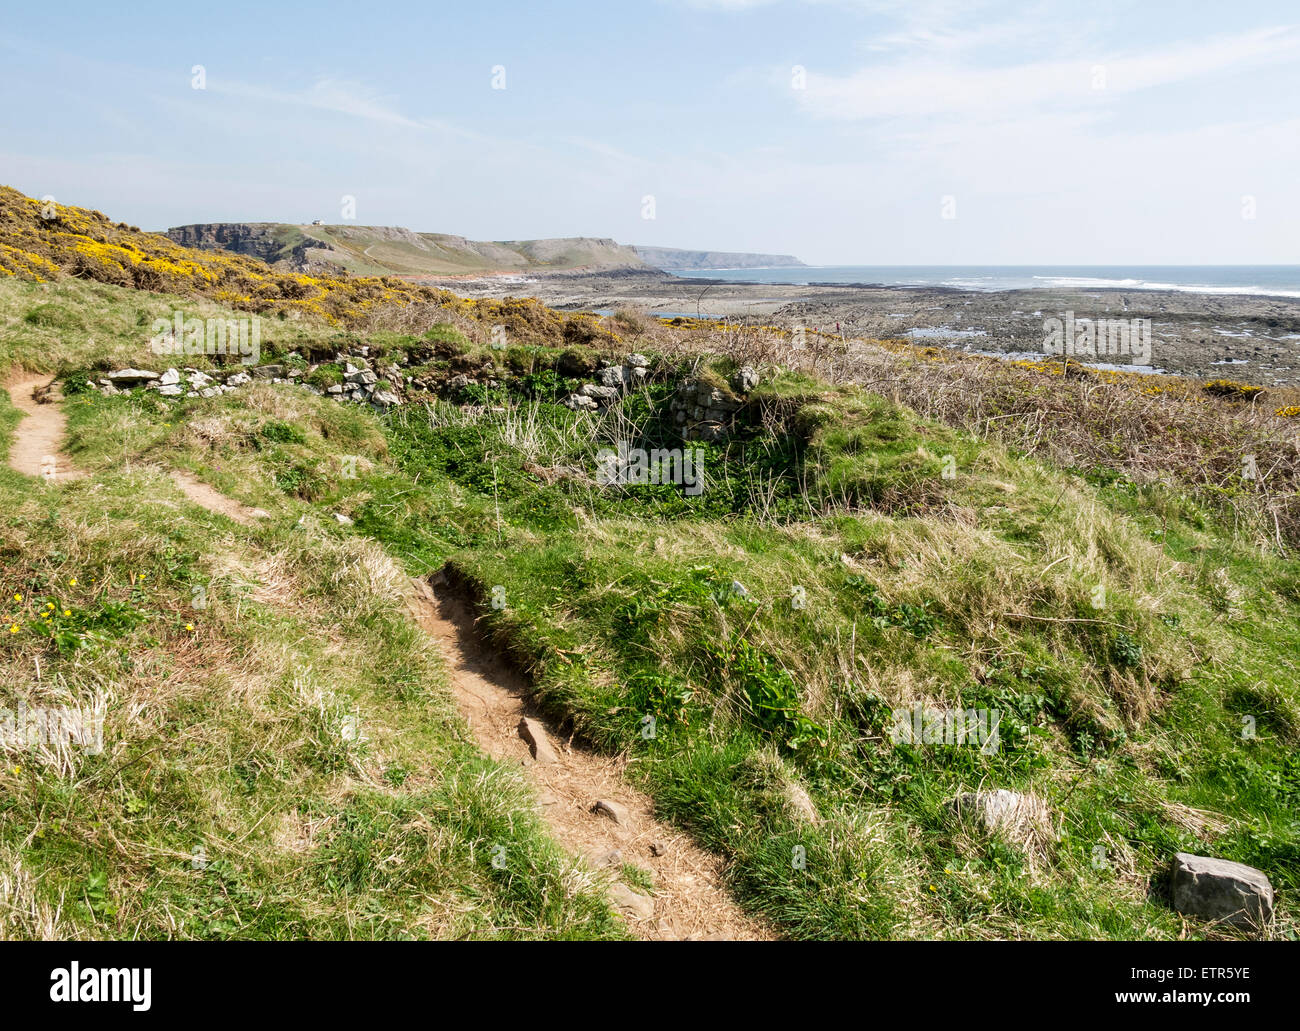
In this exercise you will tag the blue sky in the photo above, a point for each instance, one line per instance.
(1073, 133)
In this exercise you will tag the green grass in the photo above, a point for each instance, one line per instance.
(75, 325)
(281, 758)
(848, 560)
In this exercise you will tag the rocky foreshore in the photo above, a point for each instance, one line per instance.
(1211, 336)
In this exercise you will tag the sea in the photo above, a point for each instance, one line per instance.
(1259, 280)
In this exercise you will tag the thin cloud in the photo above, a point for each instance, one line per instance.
(336, 95)
(941, 89)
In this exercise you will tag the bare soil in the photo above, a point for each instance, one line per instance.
(38, 438)
(689, 899)
(214, 501)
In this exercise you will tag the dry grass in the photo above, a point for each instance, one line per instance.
(1164, 430)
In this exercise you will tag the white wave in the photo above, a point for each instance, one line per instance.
(1085, 282)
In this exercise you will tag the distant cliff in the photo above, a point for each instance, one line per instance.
(270, 241)
(388, 250)
(676, 258)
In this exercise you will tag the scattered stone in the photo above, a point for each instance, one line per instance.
(341, 519)
(613, 811)
(637, 361)
(1221, 890)
(171, 390)
(991, 808)
(658, 848)
(199, 379)
(631, 903)
(611, 858)
(267, 371)
(801, 803)
(744, 379)
(1022, 819)
(239, 379)
(384, 399)
(129, 377)
(538, 743)
(169, 378)
(580, 403)
(599, 393)
(611, 377)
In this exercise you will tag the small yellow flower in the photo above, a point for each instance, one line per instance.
(67, 612)
(189, 626)
(49, 604)
(14, 629)
(933, 888)
(73, 582)
(18, 597)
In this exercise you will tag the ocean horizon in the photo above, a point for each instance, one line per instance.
(1256, 280)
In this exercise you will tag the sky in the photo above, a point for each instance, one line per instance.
(840, 131)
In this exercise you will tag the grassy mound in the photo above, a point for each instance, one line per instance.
(280, 758)
(859, 561)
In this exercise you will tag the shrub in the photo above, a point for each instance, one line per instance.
(1231, 388)
(283, 433)
(327, 375)
(576, 362)
(446, 333)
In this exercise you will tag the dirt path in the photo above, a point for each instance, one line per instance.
(214, 501)
(34, 450)
(689, 901)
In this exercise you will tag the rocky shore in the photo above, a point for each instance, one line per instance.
(1212, 336)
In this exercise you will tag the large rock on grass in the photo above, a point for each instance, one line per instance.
(1220, 890)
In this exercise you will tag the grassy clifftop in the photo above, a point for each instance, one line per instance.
(1132, 620)
(391, 250)
(42, 243)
